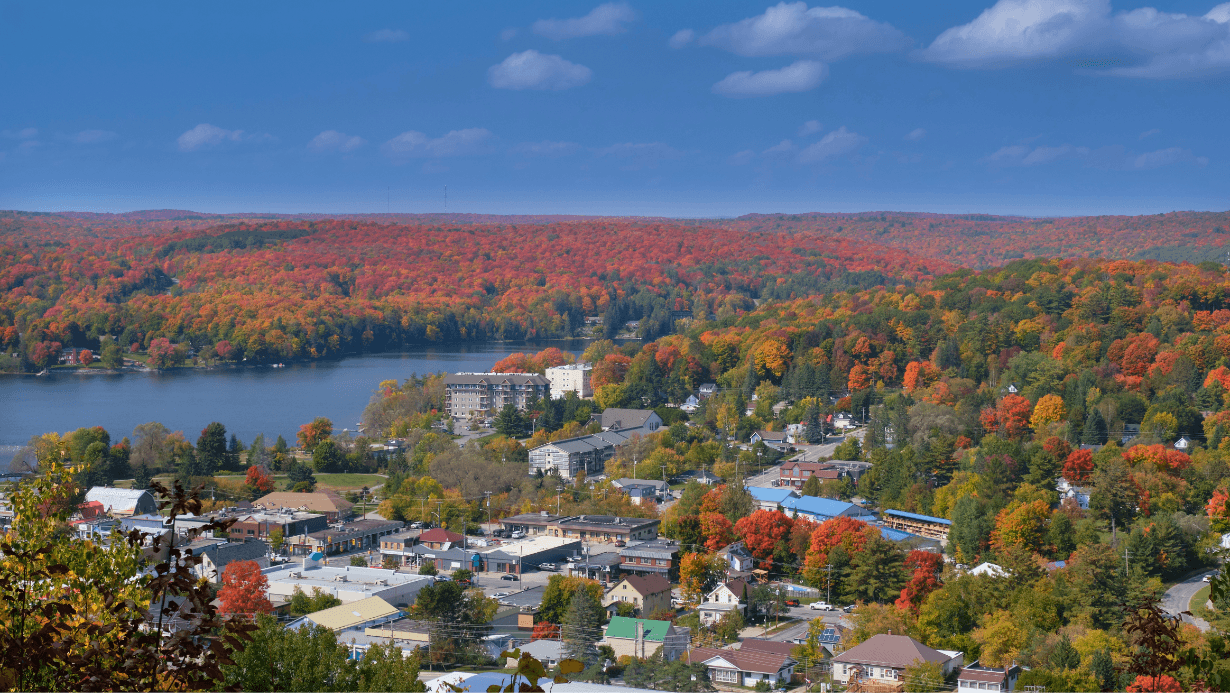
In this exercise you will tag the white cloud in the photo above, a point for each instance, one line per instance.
(837, 143)
(606, 19)
(546, 149)
(533, 70)
(387, 36)
(811, 127)
(1114, 157)
(206, 135)
(416, 145)
(800, 76)
(94, 136)
(1138, 43)
(792, 29)
(23, 134)
(681, 38)
(334, 141)
(916, 134)
(783, 147)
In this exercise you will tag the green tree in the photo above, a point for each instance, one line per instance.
(876, 574)
(301, 604)
(300, 473)
(327, 457)
(1065, 655)
(428, 568)
(924, 676)
(1113, 496)
(557, 596)
(459, 620)
(1095, 430)
(509, 422)
(211, 449)
(112, 357)
(728, 627)
(1061, 535)
(233, 450)
(582, 626)
(142, 477)
(972, 522)
(276, 539)
(813, 426)
(811, 487)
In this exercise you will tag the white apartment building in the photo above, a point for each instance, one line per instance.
(573, 377)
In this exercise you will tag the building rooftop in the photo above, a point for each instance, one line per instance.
(759, 661)
(625, 418)
(898, 651)
(354, 578)
(625, 627)
(353, 614)
(915, 516)
(117, 499)
(529, 547)
(825, 506)
(320, 502)
(495, 378)
(770, 495)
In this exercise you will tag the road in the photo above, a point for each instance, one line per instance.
(1178, 597)
(798, 630)
(810, 452)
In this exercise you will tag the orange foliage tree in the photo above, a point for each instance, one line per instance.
(1048, 410)
(1021, 526)
(1162, 457)
(847, 532)
(763, 532)
(717, 530)
(243, 589)
(1077, 466)
(311, 434)
(925, 567)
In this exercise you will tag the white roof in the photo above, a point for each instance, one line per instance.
(989, 569)
(121, 498)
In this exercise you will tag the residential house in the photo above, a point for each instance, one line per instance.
(690, 405)
(572, 377)
(649, 594)
(593, 528)
(350, 536)
(122, 502)
(643, 489)
(744, 667)
(921, 525)
(1078, 494)
(215, 556)
(770, 498)
(700, 476)
(979, 678)
(990, 569)
(796, 433)
(483, 394)
(439, 538)
(616, 419)
(331, 505)
(549, 652)
(725, 598)
(738, 558)
(821, 509)
(659, 557)
(1130, 431)
(773, 439)
(795, 473)
(1182, 444)
(588, 453)
(642, 638)
(883, 658)
(364, 613)
(707, 390)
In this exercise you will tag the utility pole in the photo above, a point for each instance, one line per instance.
(634, 466)
(828, 584)
(488, 495)
(1125, 561)
(558, 490)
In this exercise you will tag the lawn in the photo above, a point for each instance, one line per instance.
(347, 482)
(1199, 598)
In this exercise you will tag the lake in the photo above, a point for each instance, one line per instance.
(247, 400)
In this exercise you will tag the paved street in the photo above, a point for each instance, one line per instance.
(809, 453)
(1177, 598)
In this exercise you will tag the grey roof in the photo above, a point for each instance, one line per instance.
(529, 597)
(483, 378)
(356, 528)
(544, 649)
(897, 651)
(625, 418)
(651, 549)
(222, 554)
(625, 482)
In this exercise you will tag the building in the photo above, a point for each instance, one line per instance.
(690, 405)
(347, 583)
(649, 594)
(744, 667)
(990, 569)
(770, 498)
(707, 390)
(738, 558)
(588, 453)
(440, 538)
(641, 638)
(122, 502)
(365, 613)
(549, 652)
(573, 377)
(725, 598)
(292, 524)
(821, 509)
(216, 556)
(451, 559)
(795, 473)
(659, 557)
(774, 439)
(1067, 490)
(484, 394)
(616, 419)
(700, 476)
(883, 659)
(643, 489)
(332, 506)
(921, 525)
(351, 536)
(397, 547)
(592, 528)
(529, 554)
(979, 678)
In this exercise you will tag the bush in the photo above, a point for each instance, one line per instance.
(428, 569)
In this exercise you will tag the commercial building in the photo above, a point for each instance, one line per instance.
(517, 557)
(350, 536)
(640, 490)
(484, 394)
(592, 528)
(659, 557)
(588, 453)
(292, 523)
(921, 525)
(332, 506)
(347, 583)
(821, 509)
(573, 377)
(770, 498)
(365, 613)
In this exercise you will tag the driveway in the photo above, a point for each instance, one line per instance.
(1177, 599)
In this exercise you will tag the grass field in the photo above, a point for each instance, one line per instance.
(348, 481)
(1199, 598)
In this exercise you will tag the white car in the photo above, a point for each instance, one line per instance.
(820, 606)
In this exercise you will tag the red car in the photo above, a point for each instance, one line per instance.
(621, 542)
(792, 602)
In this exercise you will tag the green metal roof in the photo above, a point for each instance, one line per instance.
(625, 627)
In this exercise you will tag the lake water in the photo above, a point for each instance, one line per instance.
(248, 401)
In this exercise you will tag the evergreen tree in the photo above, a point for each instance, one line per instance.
(1103, 668)
(1061, 535)
(142, 478)
(211, 449)
(300, 473)
(814, 427)
(233, 451)
(1095, 432)
(582, 626)
(811, 487)
(509, 422)
(877, 575)
(1065, 655)
(750, 381)
(327, 457)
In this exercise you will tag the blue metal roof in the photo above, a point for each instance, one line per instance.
(897, 535)
(772, 495)
(915, 516)
(824, 507)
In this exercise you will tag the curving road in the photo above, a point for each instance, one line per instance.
(1178, 597)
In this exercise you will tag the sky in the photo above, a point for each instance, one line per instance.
(684, 109)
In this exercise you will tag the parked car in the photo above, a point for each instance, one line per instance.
(547, 566)
(792, 602)
(497, 595)
(621, 542)
(518, 534)
(508, 576)
(819, 606)
(1206, 578)
(463, 581)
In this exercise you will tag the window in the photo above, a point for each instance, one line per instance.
(726, 675)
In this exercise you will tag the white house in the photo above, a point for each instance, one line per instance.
(1182, 444)
(727, 597)
(744, 667)
(737, 557)
(1078, 493)
(573, 377)
(690, 405)
(882, 659)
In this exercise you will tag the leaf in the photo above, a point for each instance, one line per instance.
(571, 666)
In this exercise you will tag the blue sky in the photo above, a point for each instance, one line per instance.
(1032, 107)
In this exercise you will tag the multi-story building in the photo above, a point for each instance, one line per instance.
(659, 557)
(482, 394)
(593, 528)
(292, 524)
(573, 377)
(794, 474)
(571, 456)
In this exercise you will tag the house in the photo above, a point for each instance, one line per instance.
(641, 638)
(217, 555)
(658, 557)
(821, 509)
(883, 659)
(1067, 490)
(572, 377)
(690, 405)
(1182, 444)
(589, 453)
(549, 652)
(773, 439)
(707, 390)
(438, 537)
(770, 498)
(796, 433)
(455, 558)
(830, 638)
(725, 598)
(744, 667)
(643, 489)
(617, 419)
(979, 678)
(990, 569)
(1130, 431)
(594, 528)
(332, 506)
(921, 525)
(738, 558)
(795, 473)
(122, 502)
(480, 394)
(648, 593)
(700, 476)
(365, 613)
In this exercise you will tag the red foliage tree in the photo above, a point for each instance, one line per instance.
(1077, 466)
(243, 589)
(717, 531)
(259, 480)
(160, 352)
(925, 568)
(224, 350)
(762, 532)
(1010, 417)
(1154, 684)
(86, 357)
(545, 630)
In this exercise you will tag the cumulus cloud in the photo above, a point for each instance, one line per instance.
(206, 135)
(1139, 43)
(533, 70)
(916, 134)
(681, 38)
(387, 36)
(606, 19)
(93, 136)
(1114, 157)
(837, 143)
(800, 76)
(334, 141)
(783, 147)
(811, 127)
(794, 29)
(546, 149)
(416, 145)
